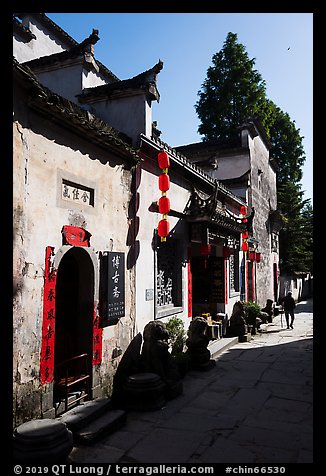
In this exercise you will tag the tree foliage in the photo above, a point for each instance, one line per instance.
(296, 237)
(287, 146)
(234, 91)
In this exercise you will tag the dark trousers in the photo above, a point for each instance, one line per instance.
(287, 314)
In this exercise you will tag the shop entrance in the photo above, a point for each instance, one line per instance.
(208, 284)
(73, 328)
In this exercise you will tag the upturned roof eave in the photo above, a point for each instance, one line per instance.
(144, 83)
(63, 111)
(68, 40)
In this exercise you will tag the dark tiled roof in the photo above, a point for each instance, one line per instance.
(144, 81)
(53, 27)
(75, 52)
(255, 127)
(54, 58)
(72, 116)
(201, 151)
(209, 209)
(188, 167)
(74, 47)
(24, 32)
(237, 180)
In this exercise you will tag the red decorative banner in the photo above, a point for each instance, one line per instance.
(189, 283)
(97, 338)
(226, 281)
(75, 235)
(48, 325)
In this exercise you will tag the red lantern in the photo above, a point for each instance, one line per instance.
(205, 250)
(258, 256)
(163, 160)
(164, 182)
(164, 205)
(243, 210)
(244, 235)
(245, 246)
(226, 252)
(244, 220)
(163, 228)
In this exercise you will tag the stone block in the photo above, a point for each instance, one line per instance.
(244, 338)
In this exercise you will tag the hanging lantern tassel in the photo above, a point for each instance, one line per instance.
(164, 202)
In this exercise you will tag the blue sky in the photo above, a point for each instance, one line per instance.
(281, 43)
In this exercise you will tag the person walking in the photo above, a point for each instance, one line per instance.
(288, 306)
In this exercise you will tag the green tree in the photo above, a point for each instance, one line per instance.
(234, 91)
(307, 215)
(287, 146)
(296, 237)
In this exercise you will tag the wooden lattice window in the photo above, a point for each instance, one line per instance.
(168, 276)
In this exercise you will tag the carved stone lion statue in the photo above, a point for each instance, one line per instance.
(156, 357)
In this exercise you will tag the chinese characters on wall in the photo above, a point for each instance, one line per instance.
(217, 280)
(232, 273)
(97, 338)
(116, 285)
(47, 349)
(77, 193)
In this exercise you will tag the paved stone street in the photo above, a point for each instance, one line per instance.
(255, 406)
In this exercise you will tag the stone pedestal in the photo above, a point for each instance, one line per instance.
(144, 392)
(42, 441)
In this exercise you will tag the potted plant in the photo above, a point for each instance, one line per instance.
(252, 312)
(177, 333)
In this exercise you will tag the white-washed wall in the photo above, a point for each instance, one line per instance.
(40, 161)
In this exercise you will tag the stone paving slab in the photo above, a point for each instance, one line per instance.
(254, 406)
(167, 445)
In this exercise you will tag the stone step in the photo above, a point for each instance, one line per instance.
(245, 338)
(92, 420)
(217, 346)
(84, 413)
(102, 426)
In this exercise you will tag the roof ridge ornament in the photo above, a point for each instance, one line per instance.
(88, 43)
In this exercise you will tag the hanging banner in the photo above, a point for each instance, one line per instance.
(217, 273)
(112, 287)
(116, 284)
(189, 283)
(48, 326)
(97, 338)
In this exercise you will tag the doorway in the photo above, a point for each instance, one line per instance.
(74, 327)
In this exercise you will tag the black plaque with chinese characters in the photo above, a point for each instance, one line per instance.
(217, 279)
(112, 289)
